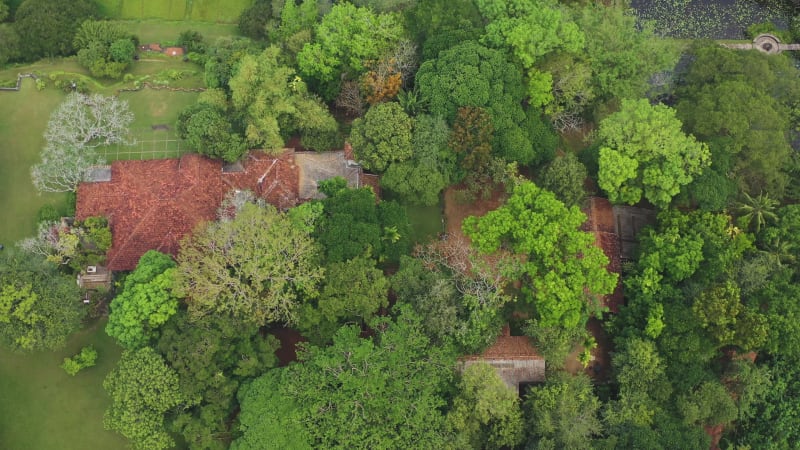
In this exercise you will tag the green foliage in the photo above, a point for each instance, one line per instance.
(207, 130)
(253, 273)
(344, 42)
(643, 385)
(39, 308)
(353, 292)
(86, 358)
(105, 48)
(256, 20)
(142, 388)
(145, 303)
(710, 404)
(383, 136)
(222, 59)
(97, 233)
(381, 392)
(531, 29)
(720, 311)
(470, 75)
(47, 27)
(754, 212)
(554, 343)
(430, 169)
(9, 43)
(275, 102)
(485, 412)
(562, 271)
(565, 176)
(542, 136)
(646, 154)
(741, 103)
(47, 213)
(563, 413)
(212, 360)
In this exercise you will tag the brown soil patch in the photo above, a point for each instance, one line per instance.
(289, 339)
(599, 368)
(455, 212)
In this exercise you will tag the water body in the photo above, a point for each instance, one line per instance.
(709, 19)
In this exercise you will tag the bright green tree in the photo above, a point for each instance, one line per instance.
(145, 303)
(345, 41)
(39, 308)
(380, 392)
(259, 267)
(383, 136)
(486, 412)
(562, 272)
(275, 102)
(142, 389)
(646, 154)
(105, 48)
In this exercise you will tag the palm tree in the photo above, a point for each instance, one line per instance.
(755, 211)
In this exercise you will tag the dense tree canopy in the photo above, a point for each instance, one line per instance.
(104, 47)
(145, 303)
(142, 388)
(39, 307)
(561, 270)
(381, 392)
(382, 137)
(646, 154)
(47, 27)
(255, 273)
(207, 130)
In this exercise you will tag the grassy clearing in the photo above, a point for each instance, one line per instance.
(23, 118)
(41, 407)
(161, 30)
(426, 222)
(201, 10)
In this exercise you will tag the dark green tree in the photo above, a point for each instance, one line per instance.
(382, 137)
(208, 131)
(47, 27)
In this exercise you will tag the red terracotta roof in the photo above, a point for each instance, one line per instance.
(153, 204)
(509, 347)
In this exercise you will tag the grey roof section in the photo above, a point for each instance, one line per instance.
(514, 371)
(315, 167)
(628, 223)
(99, 173)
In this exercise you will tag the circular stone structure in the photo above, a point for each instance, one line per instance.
(767, 43)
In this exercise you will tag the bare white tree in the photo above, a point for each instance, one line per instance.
(81, 123)
(88, 121)
(63, 167)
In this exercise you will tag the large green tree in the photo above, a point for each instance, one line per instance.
(470, 74)
(207, 130)
(145, 303)
(382, 137)
(142, 389)
(563, 413)
(105, 48)
(275, 103)
(345, 41)
(212, 359)
(380, 392)
(256, 267)
(486, 412)
(47, 27)
(562, 272)
(646, 154)
(741, 103)
(39, 307)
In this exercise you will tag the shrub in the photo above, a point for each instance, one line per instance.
(47, 213)
(86, 358)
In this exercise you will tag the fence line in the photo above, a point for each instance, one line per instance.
(19, 81)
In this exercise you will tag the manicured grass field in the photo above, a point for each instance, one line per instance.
(41, 407)
(161, 30)
(202, 10)
(23, 118)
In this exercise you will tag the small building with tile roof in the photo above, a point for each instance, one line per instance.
(513, 358)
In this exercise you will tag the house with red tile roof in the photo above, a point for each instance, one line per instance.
(153, 204)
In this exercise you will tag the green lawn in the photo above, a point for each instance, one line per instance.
(41, 407)
(23, 118)
(161, 30)
(426, 222)
(201, 10)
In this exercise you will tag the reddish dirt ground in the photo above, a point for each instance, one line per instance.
(455, 212)
(289, 339)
